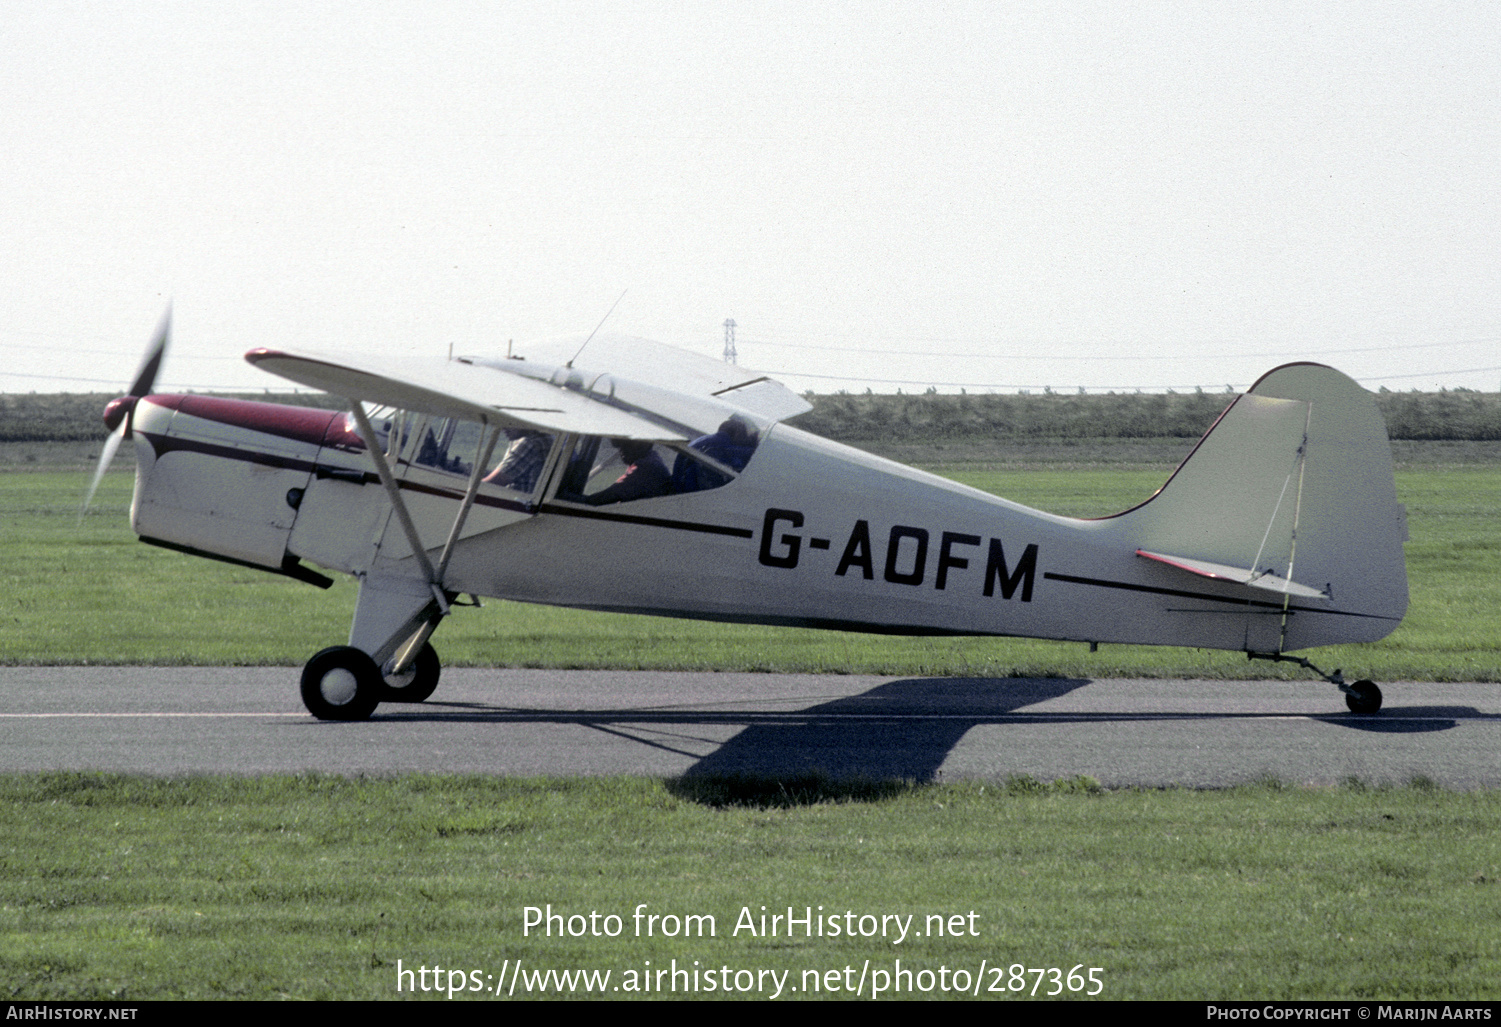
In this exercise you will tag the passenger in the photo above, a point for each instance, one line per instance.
(523, 461)
(645, 476)
(732, 445)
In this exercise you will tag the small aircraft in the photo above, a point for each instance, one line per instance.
(672, 485)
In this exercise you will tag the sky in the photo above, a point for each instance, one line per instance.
(988, 196)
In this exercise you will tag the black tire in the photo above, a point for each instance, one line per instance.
(341, 683)
(1363, 697)
(419, 681)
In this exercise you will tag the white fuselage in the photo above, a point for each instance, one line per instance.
(811, 533)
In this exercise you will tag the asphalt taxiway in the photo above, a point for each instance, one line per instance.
(250, 720)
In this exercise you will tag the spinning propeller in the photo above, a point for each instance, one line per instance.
(117, 415)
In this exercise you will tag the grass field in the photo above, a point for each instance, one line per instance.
(93, 594)
(313, 887)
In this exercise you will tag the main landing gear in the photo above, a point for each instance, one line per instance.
(415, 683)
(388, 658)
(343, 683)
(1361, 697)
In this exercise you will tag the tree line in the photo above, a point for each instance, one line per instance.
(1457, 415)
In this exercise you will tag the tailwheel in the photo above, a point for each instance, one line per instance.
(1363, 697)
(415, 683)
(341, 683)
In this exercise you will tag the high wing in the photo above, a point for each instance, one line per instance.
(544, 396)
(453, 389)
(647, 362)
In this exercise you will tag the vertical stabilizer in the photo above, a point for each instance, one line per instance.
(1291, 492)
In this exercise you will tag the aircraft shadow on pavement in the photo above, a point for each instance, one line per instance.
(930, 715)
(899, 730)
(1408, 720)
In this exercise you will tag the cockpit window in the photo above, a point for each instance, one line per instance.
(392, 429)
(523, 460)
(442, 445)
(451, 445)
(598, 472)
(710, 458)
(603, 471)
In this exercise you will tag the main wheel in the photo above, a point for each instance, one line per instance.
(415, 683)
(341, 683)
(1363, 697)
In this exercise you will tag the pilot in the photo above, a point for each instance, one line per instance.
(645, 476)
(732, 445)
(521, 465)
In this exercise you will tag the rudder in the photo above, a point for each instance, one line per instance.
(1292, 494)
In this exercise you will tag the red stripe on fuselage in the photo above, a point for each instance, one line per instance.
(304, 424)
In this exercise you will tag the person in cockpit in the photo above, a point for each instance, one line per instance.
(732, 445)
(523, 461)
(645, 475)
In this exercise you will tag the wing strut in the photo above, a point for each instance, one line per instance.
(407, 654)
(372, 444)
(487, 446)
(490, 434)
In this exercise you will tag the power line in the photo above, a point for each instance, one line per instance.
(1428, 374)
(1093, 388)
(116, 384)
(978, 385)
(120, 353)
(1095, 358)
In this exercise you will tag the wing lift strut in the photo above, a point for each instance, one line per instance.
(388, 658)
(398, 651)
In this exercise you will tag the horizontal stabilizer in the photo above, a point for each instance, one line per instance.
(1238, 575)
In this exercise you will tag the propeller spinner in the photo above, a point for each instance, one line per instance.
(117, 413)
